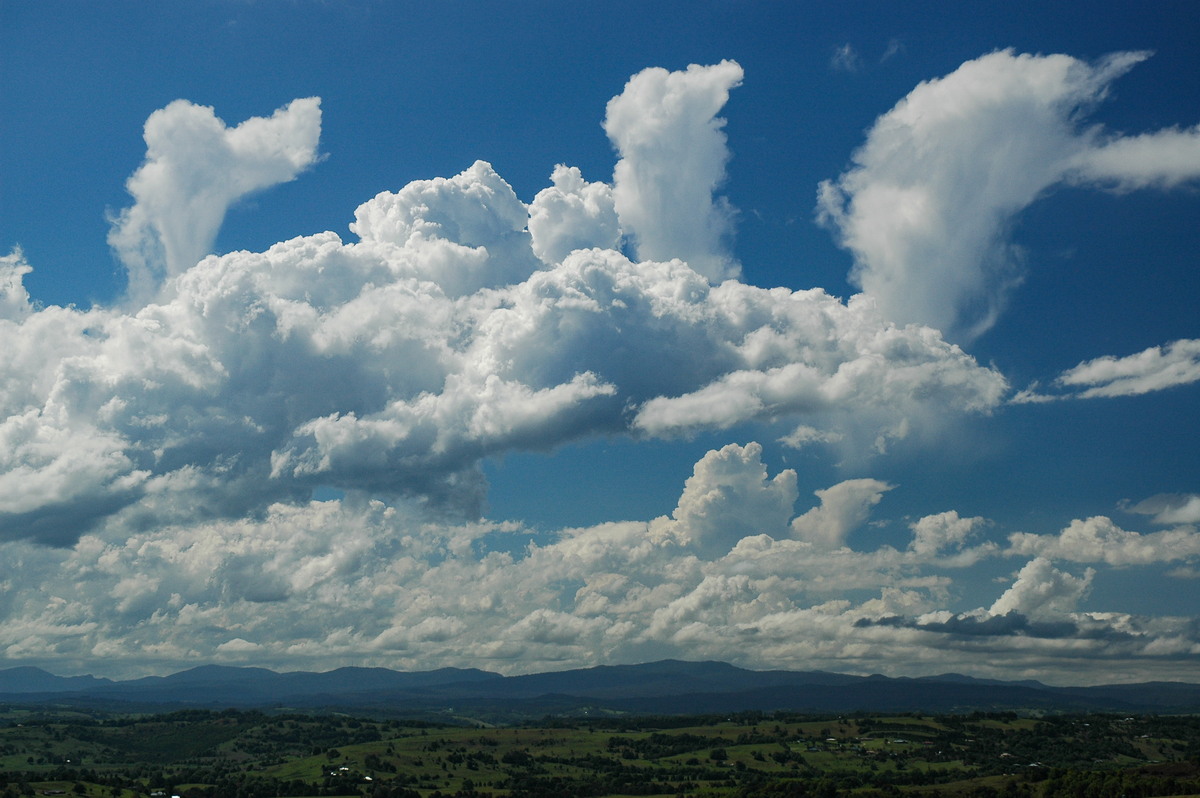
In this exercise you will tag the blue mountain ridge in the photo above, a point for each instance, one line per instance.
(663, 687)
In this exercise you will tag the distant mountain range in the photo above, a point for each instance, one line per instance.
(669, 687)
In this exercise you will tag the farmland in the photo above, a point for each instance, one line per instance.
(252, 754)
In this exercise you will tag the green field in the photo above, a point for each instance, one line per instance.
(233, 754)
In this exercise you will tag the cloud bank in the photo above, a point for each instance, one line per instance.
(157, 459)
(927, 207)
(732, 573)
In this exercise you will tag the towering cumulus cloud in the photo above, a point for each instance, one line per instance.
(673, 156)
(195, 169)
(446, 334)
(927, 205)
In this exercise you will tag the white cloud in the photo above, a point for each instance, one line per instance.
(1098, 539)
(1041, 591)
(936, 533)
(845, 59)
(572, 214)
(859, 361)
(323, 584)
(672, 158)
(927, 205)
(396, 364)
(1163, 159)
(1170, 508)
(14, 299)
(729, 497)
(843, 508)
(448, 333)
(1153, 369)
(894, 48)
(804, 435)
(168, 451)
(464, 234)
(195, 169)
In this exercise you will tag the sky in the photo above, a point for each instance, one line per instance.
(547, 335)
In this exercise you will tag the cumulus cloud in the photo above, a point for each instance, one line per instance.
(1011, 623)
(672, 158)
(461, 324)
(729, 497)
(465, 233)
(167, 452)
(395, 364)
(1041, 591)
(1155, 369)
(858, 360)
(926, 207)
(843, 508)
(14, 299)
(572, 214)
(1163, 159)
(1098, 539)
(937, 533)
(195, 168)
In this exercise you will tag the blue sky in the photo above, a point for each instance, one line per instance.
(862, 339)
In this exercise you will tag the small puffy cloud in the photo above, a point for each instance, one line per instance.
(572, 214)
(236, 649)
(729, 497)
(1098, 539)
(843, 508)
(1043, 592)
(672, 150)
(195, 168)
(934, 534)
(927, 204)
(14, 298)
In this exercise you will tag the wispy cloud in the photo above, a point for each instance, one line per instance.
(845, 59)
(1155, 369)
(895, 47)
